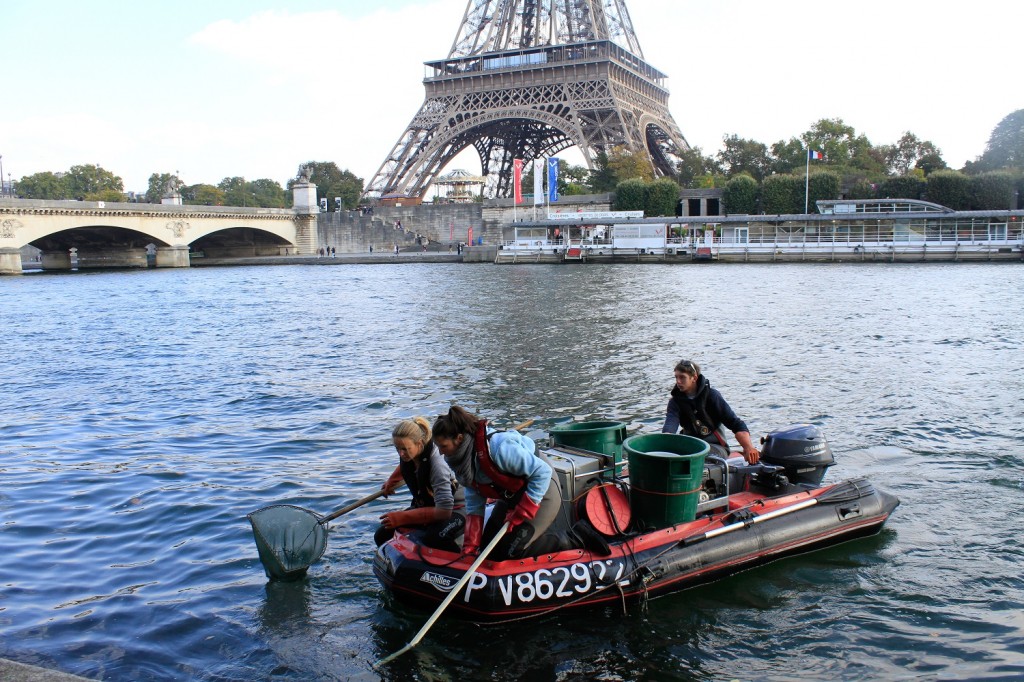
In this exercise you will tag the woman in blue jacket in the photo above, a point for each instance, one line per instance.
(503, 466)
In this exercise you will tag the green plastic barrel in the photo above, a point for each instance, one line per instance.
(603, 437)
(665, 475)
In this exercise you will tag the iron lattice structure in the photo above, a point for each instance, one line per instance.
(526, 79)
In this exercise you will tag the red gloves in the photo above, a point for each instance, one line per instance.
(473, 534)
(524, 511)
(410, 517)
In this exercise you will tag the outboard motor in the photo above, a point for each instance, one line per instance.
(801, 449)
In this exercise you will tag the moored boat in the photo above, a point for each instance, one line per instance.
(682, 518)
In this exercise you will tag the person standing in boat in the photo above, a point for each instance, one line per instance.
(696, 409)
(504, 466)
(438, 502)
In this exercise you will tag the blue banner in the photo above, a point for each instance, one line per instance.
(553, 179)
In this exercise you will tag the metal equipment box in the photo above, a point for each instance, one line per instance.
(577, 471)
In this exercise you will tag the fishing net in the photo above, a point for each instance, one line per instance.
(288, 539)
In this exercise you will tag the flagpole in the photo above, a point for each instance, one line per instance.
(807, 179)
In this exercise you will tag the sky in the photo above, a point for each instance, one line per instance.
(210, 89)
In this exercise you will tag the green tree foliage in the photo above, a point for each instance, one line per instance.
(740, 195)
(907, 153)
(631, 195)
(89, 182)
(951, 189)
(929, 163)
(788, 156)
(602, 177)
(333, 182)
(993, 190)
(662, 198)
(572, 179)
(45, 185)
(269, 193)
(782, 194)
(162, 185)
(862, 189)
(202, 195)
(694, 168)
(1005, 148)
(628, 166)
(821, 185)
(264, 193)
(744, 156)
(903, 187)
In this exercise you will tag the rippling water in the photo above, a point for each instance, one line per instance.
(145, 413)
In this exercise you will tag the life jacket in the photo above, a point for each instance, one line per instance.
(693, 415)
(418, 481)
(502, 486)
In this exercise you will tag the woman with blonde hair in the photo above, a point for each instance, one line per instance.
(437, 514)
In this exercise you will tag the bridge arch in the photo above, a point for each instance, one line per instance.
(122, 235)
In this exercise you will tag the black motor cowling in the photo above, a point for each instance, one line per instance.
(801, 449)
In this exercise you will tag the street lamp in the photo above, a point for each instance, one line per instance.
(3, 192)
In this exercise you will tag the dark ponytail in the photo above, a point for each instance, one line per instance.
(458, 420)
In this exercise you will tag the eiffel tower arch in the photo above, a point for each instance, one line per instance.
(526, 79)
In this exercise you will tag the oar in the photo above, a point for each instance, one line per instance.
(447, 600)
(841, 492)
(522, 425)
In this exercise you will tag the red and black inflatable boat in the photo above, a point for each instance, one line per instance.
(736, 517)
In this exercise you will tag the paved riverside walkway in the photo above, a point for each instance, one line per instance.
(19, 672)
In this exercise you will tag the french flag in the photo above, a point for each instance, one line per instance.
(814, 155)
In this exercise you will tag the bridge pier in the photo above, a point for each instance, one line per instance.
(172, 256)
(10, 261)
(55, 260)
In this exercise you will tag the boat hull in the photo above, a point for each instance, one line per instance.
(755, 530)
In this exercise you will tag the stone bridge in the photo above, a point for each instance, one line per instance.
(87, 234)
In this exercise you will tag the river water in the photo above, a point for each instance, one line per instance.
(146, 413)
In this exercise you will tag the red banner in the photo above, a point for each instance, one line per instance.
(517, 179)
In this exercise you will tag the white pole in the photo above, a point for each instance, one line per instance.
(807, 178)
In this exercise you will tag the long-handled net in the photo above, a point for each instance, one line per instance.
(288, 539)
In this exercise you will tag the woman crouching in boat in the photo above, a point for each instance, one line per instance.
(438, 503)
(502, 466)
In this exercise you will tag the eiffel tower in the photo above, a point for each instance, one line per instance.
(526, 79)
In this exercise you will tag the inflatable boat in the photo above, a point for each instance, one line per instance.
(671, 518)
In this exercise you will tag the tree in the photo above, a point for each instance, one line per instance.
(740, 194)
(662, 198)
(88, 179)
(202, 195)
(782, 194)
(993, 190)
(631, 195)
(237, 192)
(907, 153)
(694, 168)
(1005, 147)
(602, 177)
(45, 185)
(744, 156)
(162, 185)
(949, 188)
(903, 187)
(821, 185)
(333, 182)
(628, 166)
(788, 156)
(268, 193)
